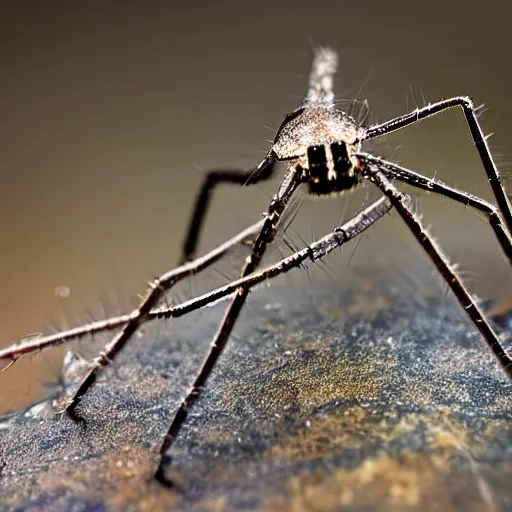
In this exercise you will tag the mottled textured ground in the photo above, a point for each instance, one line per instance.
(362, 401)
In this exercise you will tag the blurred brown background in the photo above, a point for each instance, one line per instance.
(110, 115)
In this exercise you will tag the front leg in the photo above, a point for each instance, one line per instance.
(477, 135)
(394, 171)
(266, 236)
(213, 178)
(370, 169)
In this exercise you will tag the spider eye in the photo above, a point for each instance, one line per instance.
(317, 161)
(340, 157)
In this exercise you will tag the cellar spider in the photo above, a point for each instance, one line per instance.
(321, 146)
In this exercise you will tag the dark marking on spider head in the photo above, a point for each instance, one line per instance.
(333, 173)
(323, 139)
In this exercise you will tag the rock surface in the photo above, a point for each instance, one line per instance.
(368, 400)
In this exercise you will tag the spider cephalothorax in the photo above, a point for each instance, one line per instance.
(323, 140)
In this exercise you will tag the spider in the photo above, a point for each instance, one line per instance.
(322, 148)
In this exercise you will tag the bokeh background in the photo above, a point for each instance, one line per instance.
(110, 115)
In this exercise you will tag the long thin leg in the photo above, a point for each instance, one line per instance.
(476, 134)
(158, 287)
(372, 172)
(315, 251)
(391, 170)
(290, 183)
(264, 171)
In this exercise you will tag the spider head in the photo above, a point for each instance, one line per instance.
(323, 140)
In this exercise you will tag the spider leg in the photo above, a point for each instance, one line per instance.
(370, 168)
(391, 170)
(316, 250)
(477, 135)
(157, 288)
(292, 180)
(262, 172)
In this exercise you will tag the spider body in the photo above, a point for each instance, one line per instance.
(323, 140)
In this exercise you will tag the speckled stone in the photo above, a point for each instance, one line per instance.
(362, 400)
